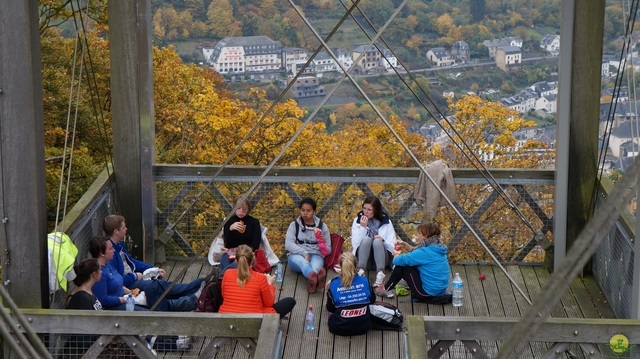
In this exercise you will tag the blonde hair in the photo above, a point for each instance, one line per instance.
(348, 265)
(244, 257)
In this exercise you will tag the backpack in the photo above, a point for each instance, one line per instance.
(211, 296)
(298, 241)
(385, 316)
(333, 259)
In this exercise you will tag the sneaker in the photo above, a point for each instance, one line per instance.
(199, 291)
(381, 292)
(379, 279)
(361, 272)
(312, 282)
(322, 278)
(183, 342)
(403, 283)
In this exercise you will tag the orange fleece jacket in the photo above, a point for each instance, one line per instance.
(257, 295)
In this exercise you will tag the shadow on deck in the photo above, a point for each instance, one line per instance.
(492, 297)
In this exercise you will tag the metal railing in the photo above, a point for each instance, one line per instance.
(476, 337)
(339, 192)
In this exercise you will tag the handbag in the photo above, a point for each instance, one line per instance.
(261, 263)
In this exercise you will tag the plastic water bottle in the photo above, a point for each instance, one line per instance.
(279, 273)
(310, 319)
(457, 285)
(129, 303)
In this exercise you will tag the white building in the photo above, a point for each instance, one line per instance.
(293, 59)
(246, 54)
(495, 44)
(551, 43)
(440, 57)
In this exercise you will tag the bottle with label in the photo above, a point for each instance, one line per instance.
(457, 285)
(310, 319)
(279, 273)
(130, 303)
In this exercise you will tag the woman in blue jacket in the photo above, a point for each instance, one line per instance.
(425, 268)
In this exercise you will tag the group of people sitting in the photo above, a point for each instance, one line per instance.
(104, 281)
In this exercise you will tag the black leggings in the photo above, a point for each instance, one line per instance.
(284, 306)
(411, 275)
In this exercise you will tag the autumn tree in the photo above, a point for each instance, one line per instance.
(221, 21)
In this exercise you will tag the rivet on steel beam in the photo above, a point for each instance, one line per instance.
(18, 326)
(101, 344)
(30, 320)
(474, 350)
(248, 346)
(591, 352)
(231, 327)
(5, 220)
(440, 349)
(216, 346)
(557, 351)
(458, 330)
(575, 333)
(117, 325)
(1, 91)
(134, 344)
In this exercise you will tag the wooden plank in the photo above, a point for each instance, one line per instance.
(587, 308)
(534, 290)
(521, 302)
(298, 338)
(543, 278)
(480, 305)
(325, 338)
(598, 298)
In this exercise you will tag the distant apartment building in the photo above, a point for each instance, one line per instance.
(494, 45)
(246, 54)
(440, 57)
(293, 59)
(307, 86)
(370, 60)
(523, 102)
(508, 57)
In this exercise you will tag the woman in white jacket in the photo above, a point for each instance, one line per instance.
(372, 233)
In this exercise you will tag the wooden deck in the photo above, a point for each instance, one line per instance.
(493, 297)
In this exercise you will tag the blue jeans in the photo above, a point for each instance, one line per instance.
(299, 264)
(153, 286)
(180, 298)
(225, 262)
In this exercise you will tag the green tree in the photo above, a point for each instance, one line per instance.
(221, 21)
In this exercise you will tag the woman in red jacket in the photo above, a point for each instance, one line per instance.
(247, 291)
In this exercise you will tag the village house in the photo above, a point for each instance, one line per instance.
(494, 45)
(440, 57)
(460, 51)
(323, 62)
(344, 57)
(508, 57)
(307, 86)
(551, 43)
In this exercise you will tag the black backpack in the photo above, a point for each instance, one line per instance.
(211, 297)
(385, 316)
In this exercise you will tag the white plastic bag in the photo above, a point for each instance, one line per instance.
(140, 299)
(266, 247)
(215, 251)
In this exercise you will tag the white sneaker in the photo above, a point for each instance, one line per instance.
(379, 279)
(199, 291)
(361, 272)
